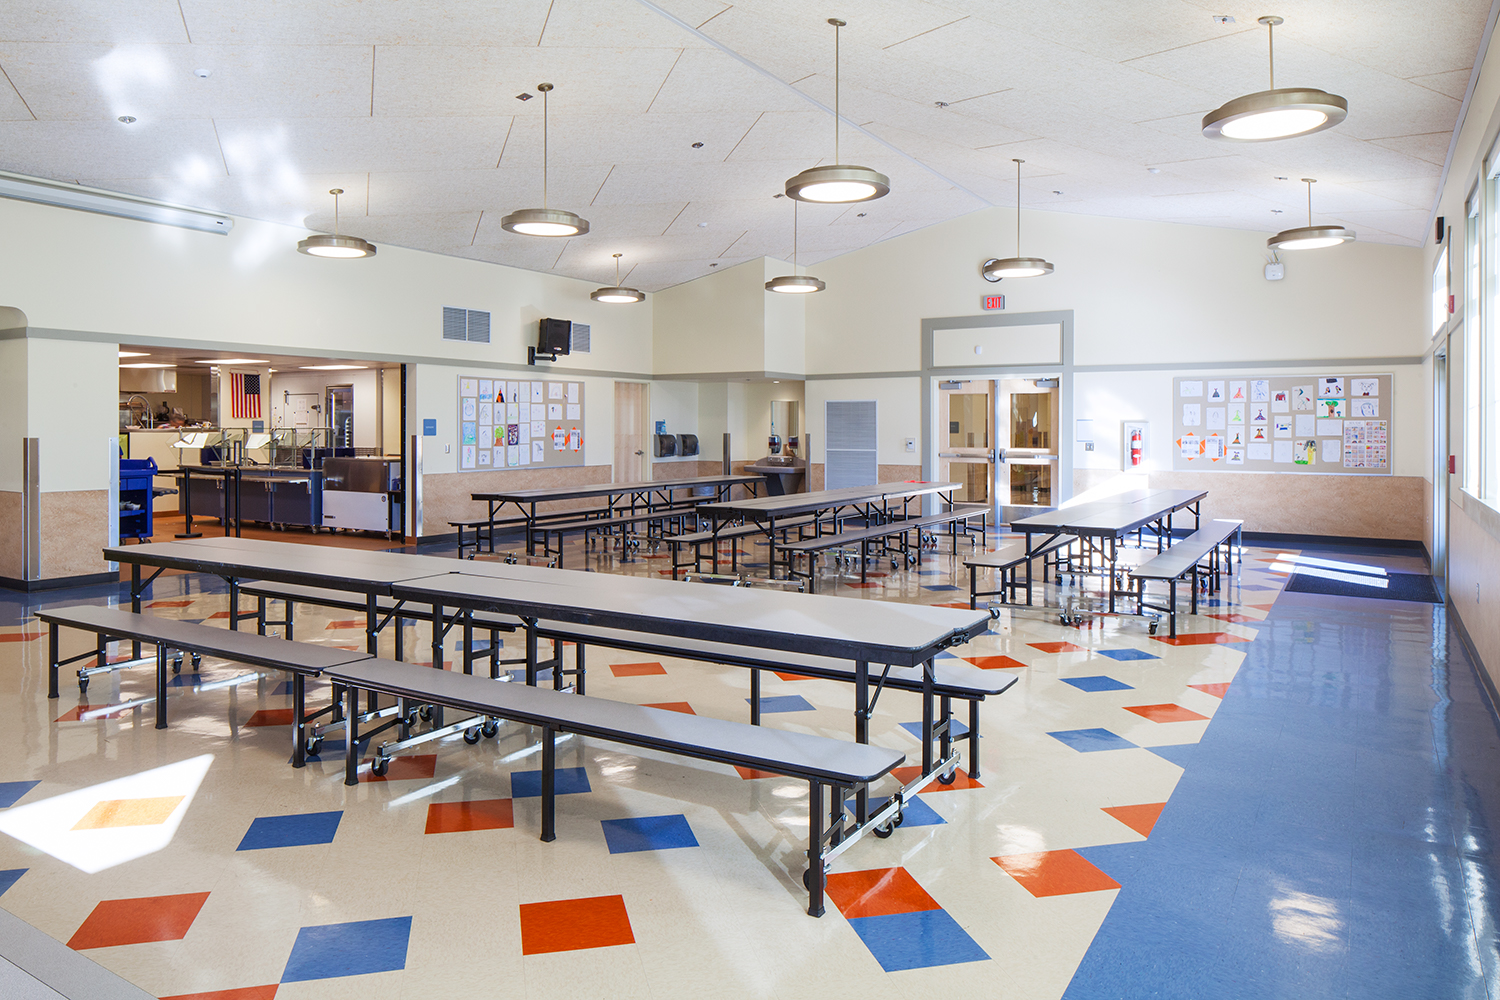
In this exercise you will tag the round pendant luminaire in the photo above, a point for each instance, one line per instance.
(1275, 114)
(617, 293)
(1015, 267)
(1310, 237)
(323, 245)
(544, 221)
(838, 183)
(795, 284)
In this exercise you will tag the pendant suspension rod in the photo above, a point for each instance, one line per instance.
(837, 24)
(1018, 206)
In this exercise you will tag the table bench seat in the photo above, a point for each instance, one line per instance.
(876, 532)
(1183, 560)
(603, 524)
(1005, 561)
(698, 539)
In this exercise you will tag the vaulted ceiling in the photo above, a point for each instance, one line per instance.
(258, 107)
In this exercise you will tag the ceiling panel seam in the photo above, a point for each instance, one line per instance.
(19, 96)
(185, 30)
(927, 32)
(598, 190)
(811, 100)
(664, 80)
(1463, 113)
(506, 141)
(545, 20)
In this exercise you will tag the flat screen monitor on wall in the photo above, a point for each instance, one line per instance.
(556, 336)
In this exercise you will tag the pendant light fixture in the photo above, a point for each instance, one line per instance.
(544, 221)
(795, 284)
(617, 293)
(1275, 114)
(1017, 266)
(839, 183)
(321, 245)
(1310, 237)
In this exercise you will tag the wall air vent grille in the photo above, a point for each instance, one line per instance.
(466, 324)
(580, 338)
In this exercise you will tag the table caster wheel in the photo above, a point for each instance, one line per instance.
(197, 661)
(380, 765)
(426, 713)
(947, 779)
(807, 880)
(1151, 630)
(83, 685)
(491, 730)
(177, 665)
(472, 735)
(313, 745)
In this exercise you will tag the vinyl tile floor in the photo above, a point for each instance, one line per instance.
(1303, 805)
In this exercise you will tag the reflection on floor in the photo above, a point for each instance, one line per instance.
(1300, 806)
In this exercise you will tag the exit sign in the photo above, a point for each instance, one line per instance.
(991, 302)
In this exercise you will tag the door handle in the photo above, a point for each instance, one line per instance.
(640, 453)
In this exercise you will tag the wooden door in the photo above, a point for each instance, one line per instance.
(632, 457)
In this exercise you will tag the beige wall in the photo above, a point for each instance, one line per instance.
(714, 324)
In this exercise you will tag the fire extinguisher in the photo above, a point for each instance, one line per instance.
(1136, 445)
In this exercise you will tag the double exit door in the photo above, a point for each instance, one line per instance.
(999, 438)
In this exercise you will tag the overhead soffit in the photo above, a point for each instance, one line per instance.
(413, 111)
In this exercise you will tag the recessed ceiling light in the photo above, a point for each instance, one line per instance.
(203, 74)
(523, 97)
(146, 364)
(702, 225)
(713, 265)
(1223, 19)
(332, 368)
(231, 361)
(135, 354)
(697, 145)
(1153, 170)
(940, 104)
(126, 119)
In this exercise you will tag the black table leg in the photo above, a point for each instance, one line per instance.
(161, 686)
(351, 736)
(299, 720)
(814, 877)
(549, 784)
(754, 696)
(52, 658)
(974, 738)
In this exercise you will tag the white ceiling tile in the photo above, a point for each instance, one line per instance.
(372, 22)
(323, 145)
(94, 21)
(502, 189)
(417, 232)
(92, 80)
(1454, 83)
(610, 23)
(1430, 146)
(710, 81)
(579, 138)
(467, 80)
(69, 150)
(12, 108)
(1133, 28)
(1415, 192)
(657, 275)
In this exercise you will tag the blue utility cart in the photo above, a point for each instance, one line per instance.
(137, 477)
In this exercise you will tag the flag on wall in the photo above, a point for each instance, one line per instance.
(244, 395)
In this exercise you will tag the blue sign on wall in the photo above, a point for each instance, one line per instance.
(257, 427)
(429, 427)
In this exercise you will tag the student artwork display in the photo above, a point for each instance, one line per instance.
(525, 423)
(1309, 424)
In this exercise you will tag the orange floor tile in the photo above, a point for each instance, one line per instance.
(1055, 873)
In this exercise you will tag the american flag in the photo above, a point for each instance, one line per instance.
(244, 395)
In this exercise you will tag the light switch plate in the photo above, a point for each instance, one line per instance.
(911, 444)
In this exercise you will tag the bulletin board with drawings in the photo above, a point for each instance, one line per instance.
(523, 424)
(1326, 424)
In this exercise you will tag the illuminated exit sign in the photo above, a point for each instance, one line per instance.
(991, 302)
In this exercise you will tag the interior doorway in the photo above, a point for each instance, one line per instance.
(1440, 475)
(632, 411)
(999, 439)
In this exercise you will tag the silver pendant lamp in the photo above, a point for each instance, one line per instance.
(1275, 114)
(795, 284)
(322, 245)
(544, 221)
(840, 183)
(1310, 237)
(617, 293)
(1017, 266)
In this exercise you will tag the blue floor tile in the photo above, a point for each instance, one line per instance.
(11, 791)
(569, 781)
(1092, 740)
(915, 728)
(8, 878)
(1126, 654)
(784, 703)
(1099, 683)
(357, 948)
(1177, 753)
(284, 688)
(918, 940)
(648, 833)
(915, 813)
(942, 586)
(291, 831)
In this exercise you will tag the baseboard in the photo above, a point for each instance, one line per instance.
(1486, 683)
(58, 582)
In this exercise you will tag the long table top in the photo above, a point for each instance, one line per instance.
(876, 631)
(802, 503)
(1115, 515)
(545, 494)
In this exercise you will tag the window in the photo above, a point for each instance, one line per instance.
(1471, 358)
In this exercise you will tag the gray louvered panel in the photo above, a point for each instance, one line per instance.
(455, 324)
(479, 327)
(850, 450)
(581, 338)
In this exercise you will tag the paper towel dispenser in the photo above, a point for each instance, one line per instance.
(687, 444)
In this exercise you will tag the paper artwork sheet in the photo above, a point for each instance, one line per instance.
(1189, 390)
(1305, 452)
(537, 390)
(486, 412)
(1236, 413)
(554, 411)
(1192, 415)
(1237, 392)
(1283, 452)
(1304, 397)
(485, 432)
(1189, 443)
(1333, 427)
(1216, 392)
(1235, 456)
(512, 434)
(466, 432)
(1331, 387)
(575, 411)
(512, 412)
(1366, 445)
(1306, 424)
(1213, 448)
(1260, 390)
(1332, 451)
(525, 411)
(1215, 418)
(466, 457)
(538, 451)
(511, 390)
(1236, 438)
(486, 390)
(1259, 452)
(1331, 408)
(1259, 433)
(1282, 427)
(497, 438)
(1364, 409)
(470, 408)
(1364, 387)
(554, 390)
(572, 392)
(575, 439)
(559, 438)
(483, 455)
(1259, 413)
(499, 457)
(512, 455)
(538, 428)
(468, 387)
(523, 454)
(1281, 401)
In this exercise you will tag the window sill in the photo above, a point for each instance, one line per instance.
(1482, 512)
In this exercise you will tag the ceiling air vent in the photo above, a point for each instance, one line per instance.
(580, 338)
(466, 324)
